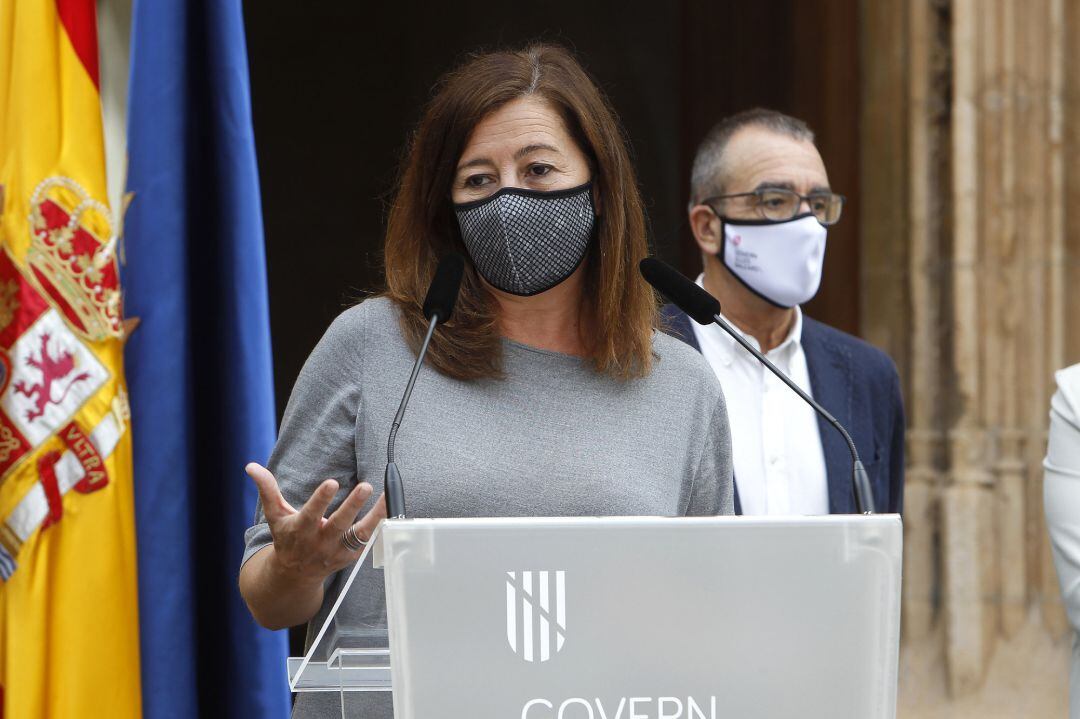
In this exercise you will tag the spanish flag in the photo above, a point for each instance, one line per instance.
(69, 642)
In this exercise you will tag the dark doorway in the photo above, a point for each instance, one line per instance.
(798, 57)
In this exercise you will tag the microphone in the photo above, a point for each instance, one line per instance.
(686, 295)
(704, 309)
(443, 292)
(438, 306)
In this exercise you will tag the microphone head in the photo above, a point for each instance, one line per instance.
(443, 292)
(681, 291)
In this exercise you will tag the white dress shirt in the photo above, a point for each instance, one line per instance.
(776, 446)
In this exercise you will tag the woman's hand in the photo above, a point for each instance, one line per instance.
(308, 546)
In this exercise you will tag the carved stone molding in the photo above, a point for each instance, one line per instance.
(971, 185)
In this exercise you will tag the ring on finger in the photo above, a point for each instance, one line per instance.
(351, 541)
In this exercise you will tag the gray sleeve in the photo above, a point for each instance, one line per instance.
(316, 441)
(711, 490)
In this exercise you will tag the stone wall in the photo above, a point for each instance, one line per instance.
(971, 228)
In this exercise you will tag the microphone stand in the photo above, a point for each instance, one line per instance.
(392, 486)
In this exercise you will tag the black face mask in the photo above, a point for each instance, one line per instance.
(525, 242)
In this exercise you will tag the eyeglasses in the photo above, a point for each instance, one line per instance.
(780, 204)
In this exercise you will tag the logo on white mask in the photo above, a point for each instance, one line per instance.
(779, 261)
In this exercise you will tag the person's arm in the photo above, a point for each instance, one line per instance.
(283, 582)
(291, 547)
(1061, 499)
(275, 599)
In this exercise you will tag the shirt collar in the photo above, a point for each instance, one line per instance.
(728, 344)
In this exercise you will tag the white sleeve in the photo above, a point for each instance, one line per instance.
(1061, 499)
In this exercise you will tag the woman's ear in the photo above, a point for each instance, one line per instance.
(596, 202)
(706, 227)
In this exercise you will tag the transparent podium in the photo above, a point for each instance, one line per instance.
(620, 618)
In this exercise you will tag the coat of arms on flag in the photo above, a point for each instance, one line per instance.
(69, 293)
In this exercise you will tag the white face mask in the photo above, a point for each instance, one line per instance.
(779, 261)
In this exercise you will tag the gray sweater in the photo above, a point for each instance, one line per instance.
(553, 438)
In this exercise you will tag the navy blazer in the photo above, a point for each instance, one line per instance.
(858, 384)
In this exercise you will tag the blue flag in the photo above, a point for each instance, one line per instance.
(198, 365)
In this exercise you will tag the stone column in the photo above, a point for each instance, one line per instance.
(981, 101)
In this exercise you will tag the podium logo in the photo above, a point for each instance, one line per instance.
(536, 613)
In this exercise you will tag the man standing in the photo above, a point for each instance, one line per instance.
(760, 207)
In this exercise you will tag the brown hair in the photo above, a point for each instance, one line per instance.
(619, 310)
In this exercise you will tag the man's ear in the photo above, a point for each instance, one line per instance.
(706, 227)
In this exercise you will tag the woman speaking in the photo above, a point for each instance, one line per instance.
(552, 395)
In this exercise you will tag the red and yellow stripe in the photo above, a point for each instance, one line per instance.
(69, 643)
